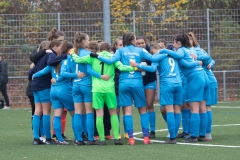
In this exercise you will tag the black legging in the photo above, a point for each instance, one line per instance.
(3, 87)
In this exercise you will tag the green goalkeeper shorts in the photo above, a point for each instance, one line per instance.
(109, 98)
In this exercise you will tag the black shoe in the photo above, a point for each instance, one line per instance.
(62, 143)
(92, 143)
(50, 142)
(37, 142)
(66, 138)
(103, 143)
(170, 141)
(84, 137)
(190, 140)
(118, 142)
(201, 139)
(152, 134)
(79, 143)
(182, 135)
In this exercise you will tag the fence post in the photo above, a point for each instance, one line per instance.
(224, 86)
(134, 23)
(208, 32)
(106, 21)
(59, 21)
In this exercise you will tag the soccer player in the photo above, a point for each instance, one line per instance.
(170, 88)
(207, 66)
(130, 86)
(61, 89)
(149, 84)
(104, 91)
(197, 87)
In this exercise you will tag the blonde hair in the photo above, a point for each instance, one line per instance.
(195, 42)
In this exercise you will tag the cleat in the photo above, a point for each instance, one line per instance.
(170, 141)
(103, 143)
(118, 142)
(54, 137)
(92, 143)
(152, 134)
(108, 137)
(182, 135)
(126, 135)
(43, 139)
(146, 140)
(119, 136)
(96, 138)
(190, 140)
(131, 141)
(66, 138)
(37, 142)
(50, 142)
(62, 143)
(201, 139)
(79, 143)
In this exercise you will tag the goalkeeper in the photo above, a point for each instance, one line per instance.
(104, 91)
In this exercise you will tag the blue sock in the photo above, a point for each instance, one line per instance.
(209, 123)
(119, 122)
(189, 114)
(171, 124)
(203, 124)
(41, 129)
(185, 121)
(144, 123)
(57, 127)
(177, 118)
(84, 123)
(129, 125)
(194, 125)
(36, 125)
(152, 120)
(73, 128)
(47, 126)
(90, 126)
(78, 126)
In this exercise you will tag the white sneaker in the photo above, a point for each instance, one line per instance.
(6, 107)
(208, 137)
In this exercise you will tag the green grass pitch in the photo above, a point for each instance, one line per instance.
(16, 140)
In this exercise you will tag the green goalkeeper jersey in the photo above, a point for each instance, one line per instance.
(99, 85)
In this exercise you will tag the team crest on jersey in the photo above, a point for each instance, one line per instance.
(65, 62)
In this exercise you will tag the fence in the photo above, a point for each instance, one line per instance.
(218, 31)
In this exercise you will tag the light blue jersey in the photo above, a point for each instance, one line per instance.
(74, 68)
(127, 54)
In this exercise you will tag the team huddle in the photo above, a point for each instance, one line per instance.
(83, 77)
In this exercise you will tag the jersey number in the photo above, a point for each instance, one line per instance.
(172, 64)
(102, 69)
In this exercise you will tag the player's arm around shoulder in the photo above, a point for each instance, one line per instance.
(84, 59)
(122, 67)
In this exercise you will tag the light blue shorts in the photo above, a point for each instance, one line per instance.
(151, 86)
(81, 93)
(61, 96)
(171, 95)
(213, 97)
(129, 94)
(42, 96)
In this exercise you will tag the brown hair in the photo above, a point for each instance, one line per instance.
(93, 46)
(57, 43)
(195, 42)
(127, 38)
(78, 41)
(54, 34)
(155, 46)
(105, 47)
(44, 45)
(115, 43)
